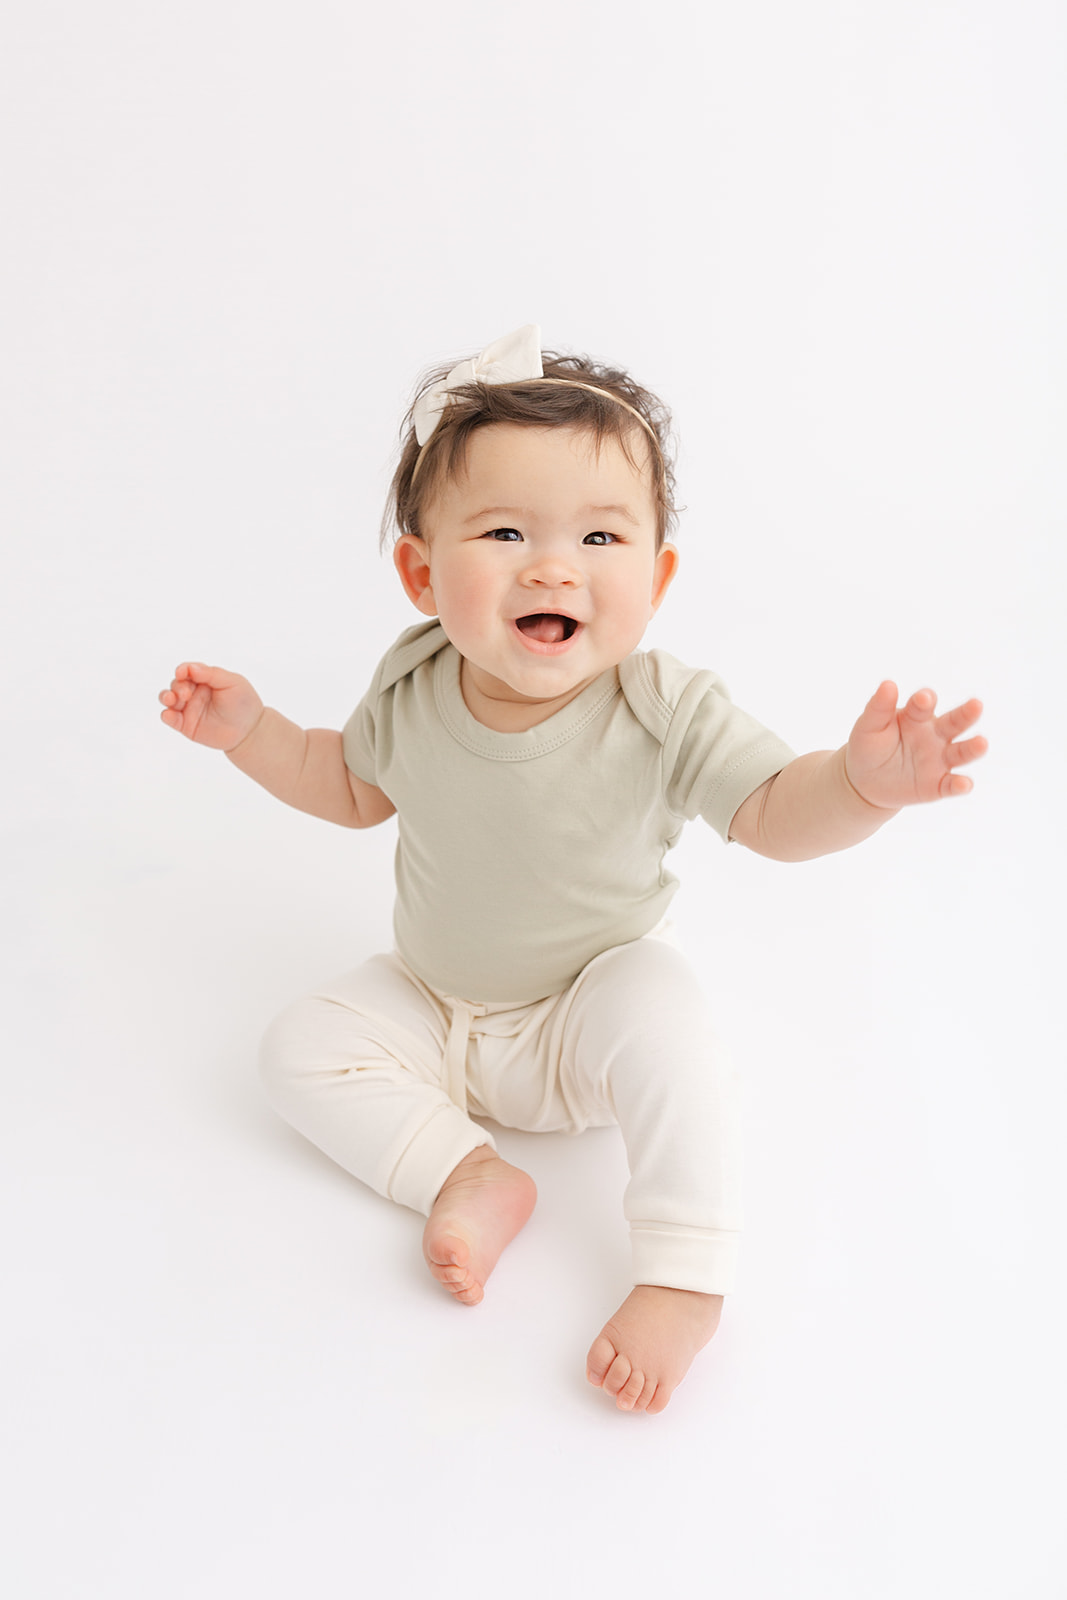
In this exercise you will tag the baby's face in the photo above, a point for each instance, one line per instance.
(540, 561)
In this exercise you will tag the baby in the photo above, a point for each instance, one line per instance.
(541, 767)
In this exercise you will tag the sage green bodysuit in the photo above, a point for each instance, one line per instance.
(522, 856)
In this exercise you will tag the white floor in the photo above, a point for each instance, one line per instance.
(230, 1373)
(832, 237)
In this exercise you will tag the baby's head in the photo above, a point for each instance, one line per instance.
(533, 501)
(572, 392)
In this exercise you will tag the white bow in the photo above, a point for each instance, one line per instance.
(512, 359)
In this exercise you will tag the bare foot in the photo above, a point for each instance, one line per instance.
(641, 1356)
(482, 1205)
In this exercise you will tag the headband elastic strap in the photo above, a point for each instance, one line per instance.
(515, 358)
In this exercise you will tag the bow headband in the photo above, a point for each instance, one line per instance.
(515, 358)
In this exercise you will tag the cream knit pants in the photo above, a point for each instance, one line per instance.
(383, 1074)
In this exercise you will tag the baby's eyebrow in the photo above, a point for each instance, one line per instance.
(612, 511)
(584, 511)
(496, 511)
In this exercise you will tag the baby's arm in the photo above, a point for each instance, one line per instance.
(304, 767)
(829, 800)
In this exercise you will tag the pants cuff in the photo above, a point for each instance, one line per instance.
(673, 1257)
(437, 1148)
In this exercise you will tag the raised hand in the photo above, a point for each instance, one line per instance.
(900, 758)
(210, 706)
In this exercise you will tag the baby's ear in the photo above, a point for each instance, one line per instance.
(663, 573)
(411, 557)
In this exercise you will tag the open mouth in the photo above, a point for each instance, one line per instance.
(547, 627)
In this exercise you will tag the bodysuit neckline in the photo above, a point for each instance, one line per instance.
(558, 729)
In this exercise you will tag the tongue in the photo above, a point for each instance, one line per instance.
(544, 628)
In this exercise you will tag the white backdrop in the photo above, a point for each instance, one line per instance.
(832, 237)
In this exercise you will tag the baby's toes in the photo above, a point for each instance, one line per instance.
(659, 1400)
(618, 1375)
(631, 1391)
(645, 1398)
(447, 1254)
(599, 1359)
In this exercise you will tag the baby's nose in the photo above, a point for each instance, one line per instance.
(552, 569)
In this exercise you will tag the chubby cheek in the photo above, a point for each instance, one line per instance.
(464, 600)
(628, 609)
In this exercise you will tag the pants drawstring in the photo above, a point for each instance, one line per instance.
(462, 1014)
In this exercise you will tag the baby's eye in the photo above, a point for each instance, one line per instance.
(506, 535)
(600, 538)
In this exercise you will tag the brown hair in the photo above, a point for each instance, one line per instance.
(536, 404)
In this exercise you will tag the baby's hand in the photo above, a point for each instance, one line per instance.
(210, 706)
(899, 758)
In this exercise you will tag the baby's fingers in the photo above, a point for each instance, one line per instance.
(177, 695)
(880, 710)
(958, 755)
(175, 702)
(196, 672)
(967, 750)
(954, 783)
(955, 722)
(920, 707)
(186, 686)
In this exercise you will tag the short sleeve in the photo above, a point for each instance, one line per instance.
(370, 725)
(714, 754)
(724, 755)
(359, 736)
